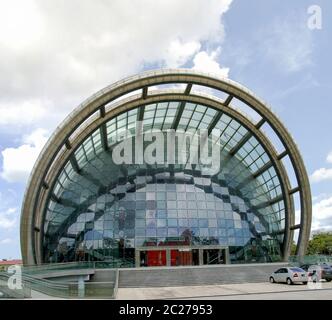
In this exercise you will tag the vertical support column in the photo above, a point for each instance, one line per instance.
(200, 257)
(168, 257)
(227, 258)
(137, 258)
(81, 287)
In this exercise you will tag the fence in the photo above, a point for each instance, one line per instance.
(312, 259)
(30, 282)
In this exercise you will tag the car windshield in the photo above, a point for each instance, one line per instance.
(296, 269)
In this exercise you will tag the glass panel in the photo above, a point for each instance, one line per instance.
(104, 210)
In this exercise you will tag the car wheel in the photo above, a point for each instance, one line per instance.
(305, 282)
(272, 280)
(328, 280)
(289, 281)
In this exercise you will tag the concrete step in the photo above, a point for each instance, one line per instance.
(104, 275)
(202, 275)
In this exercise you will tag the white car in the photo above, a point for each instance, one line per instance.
(289, 275)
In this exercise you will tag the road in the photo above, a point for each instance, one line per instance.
(325, 294)
(243, 291)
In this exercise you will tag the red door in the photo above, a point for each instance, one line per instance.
(174, 257)
(156, 258)
(185, 258)
(181, 258)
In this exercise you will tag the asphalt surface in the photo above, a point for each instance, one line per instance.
(243, 291)
(325, 294)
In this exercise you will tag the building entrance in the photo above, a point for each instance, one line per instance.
(180, 256)
(214, 256)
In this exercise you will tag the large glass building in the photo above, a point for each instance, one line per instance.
(81, 204)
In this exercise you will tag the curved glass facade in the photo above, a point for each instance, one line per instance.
(102, 211)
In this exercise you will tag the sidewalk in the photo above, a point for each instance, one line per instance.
(210, 291)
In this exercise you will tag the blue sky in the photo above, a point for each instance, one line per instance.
(54, 54)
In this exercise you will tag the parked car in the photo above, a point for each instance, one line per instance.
(305, 267)
(320, 271)
(289, 275)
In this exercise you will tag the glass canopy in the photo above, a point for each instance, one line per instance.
(102, 211)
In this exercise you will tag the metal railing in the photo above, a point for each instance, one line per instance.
(309, 259)
(57, 266)
(113, 263)
(7, 293)
(71, 290)
(32, 280)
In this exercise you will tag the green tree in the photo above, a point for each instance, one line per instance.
(321, 243)
(293, 248)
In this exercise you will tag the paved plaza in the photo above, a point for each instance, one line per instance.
(241, 291)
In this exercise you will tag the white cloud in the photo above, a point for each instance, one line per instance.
(21, 112)
(26, 28)
(6, 241)
(329, 157)
(288, 43)
(179, 53)
(8, 218)
(54, 54)
(321, 175)
(320, 197)
(18, 162)
(322, 214)
(208, 63)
